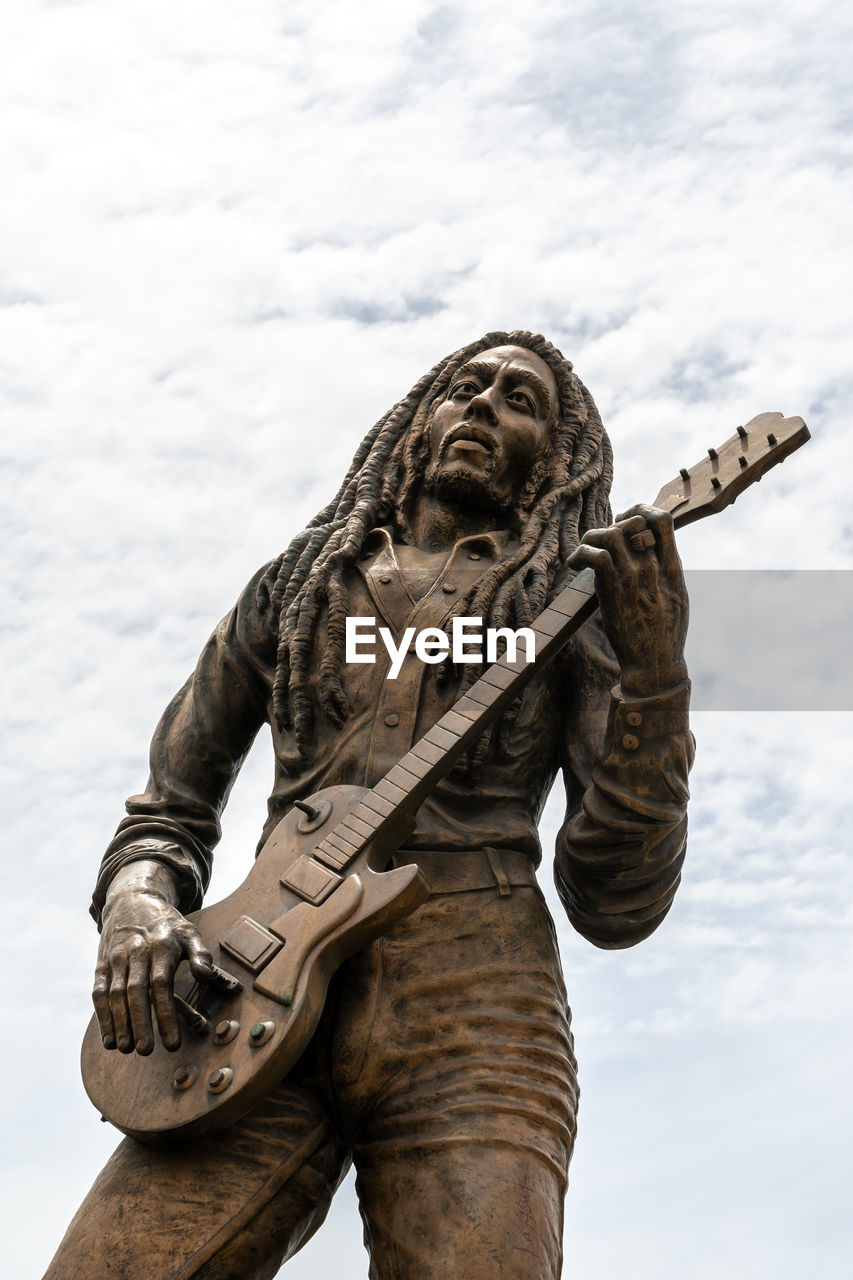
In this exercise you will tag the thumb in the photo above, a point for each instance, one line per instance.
(201, 963)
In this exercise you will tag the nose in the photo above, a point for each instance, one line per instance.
(482, 406)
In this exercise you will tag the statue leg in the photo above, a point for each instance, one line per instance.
(234, 1205)
(461, 1083)
(481, 1209)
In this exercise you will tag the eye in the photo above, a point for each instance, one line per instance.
(522, 401)
(464, 390)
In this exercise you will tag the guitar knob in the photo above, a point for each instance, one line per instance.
(226, 1030)
(261, 1032)
(185, 1077)
(219, 1079)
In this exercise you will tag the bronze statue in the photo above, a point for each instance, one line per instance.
(442, 1062)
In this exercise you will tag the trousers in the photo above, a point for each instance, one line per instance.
(442, 1067)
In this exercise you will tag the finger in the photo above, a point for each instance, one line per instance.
(118, 1000)
(641, 511)
(614, 539)
(202, 966)
(196, 1021)
(587, 556)
(139, 1002)
(101, 1001)
(163, 999)
(661, 525)
(642, 541)
(632, 522)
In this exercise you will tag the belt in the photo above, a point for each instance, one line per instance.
(503, 869)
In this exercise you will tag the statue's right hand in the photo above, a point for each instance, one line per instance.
(143, 940)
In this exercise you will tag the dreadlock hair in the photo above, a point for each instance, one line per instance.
(566, 494)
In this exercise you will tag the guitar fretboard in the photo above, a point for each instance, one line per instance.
(394, 800)
(709, 486)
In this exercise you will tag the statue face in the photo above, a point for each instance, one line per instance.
(493, 426)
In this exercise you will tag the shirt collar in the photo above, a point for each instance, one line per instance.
(492, 543)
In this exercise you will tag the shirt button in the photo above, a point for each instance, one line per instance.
(634, 717)
(392, 720)
(448, 588)
(630, 743)
(386, 578)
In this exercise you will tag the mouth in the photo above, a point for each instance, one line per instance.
(469, 442)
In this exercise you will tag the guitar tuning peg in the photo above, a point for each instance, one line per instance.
(684, 473)
(308, 809)
(715, 484)
(742, 432)
(771, 439)
(742, 460)
(712, 454)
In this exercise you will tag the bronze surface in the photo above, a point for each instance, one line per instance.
(442, 1061)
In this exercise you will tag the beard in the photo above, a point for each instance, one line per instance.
(461, 483)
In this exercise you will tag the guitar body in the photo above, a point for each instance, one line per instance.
(284, 950)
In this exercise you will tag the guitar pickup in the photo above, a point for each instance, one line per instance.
(250, 943)
(305, 929)
(310, 880)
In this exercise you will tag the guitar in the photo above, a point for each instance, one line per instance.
(319, 891)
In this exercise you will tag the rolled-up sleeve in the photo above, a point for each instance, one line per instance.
(197, 751)
(621, 848)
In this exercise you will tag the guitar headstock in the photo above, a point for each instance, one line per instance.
(715, 481)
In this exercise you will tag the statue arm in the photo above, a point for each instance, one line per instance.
(157, 867)
(628, 746)
(196, 753)
(620, 850)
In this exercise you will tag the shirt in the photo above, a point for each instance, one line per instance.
(624, 760)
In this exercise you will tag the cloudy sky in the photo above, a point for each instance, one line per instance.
(231, 238)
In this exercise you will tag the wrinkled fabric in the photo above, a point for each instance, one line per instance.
(619, 854)
(452, 1085)
(443, 1063)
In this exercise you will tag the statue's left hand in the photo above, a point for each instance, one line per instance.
(642, 597)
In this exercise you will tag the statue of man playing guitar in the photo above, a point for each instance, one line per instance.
(442, 1065)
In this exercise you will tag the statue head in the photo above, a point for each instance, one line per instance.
(503, 423)
(491, 430)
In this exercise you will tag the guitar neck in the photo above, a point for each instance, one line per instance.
(387, 812)
(392, 804)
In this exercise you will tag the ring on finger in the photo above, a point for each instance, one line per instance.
(642, 541)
